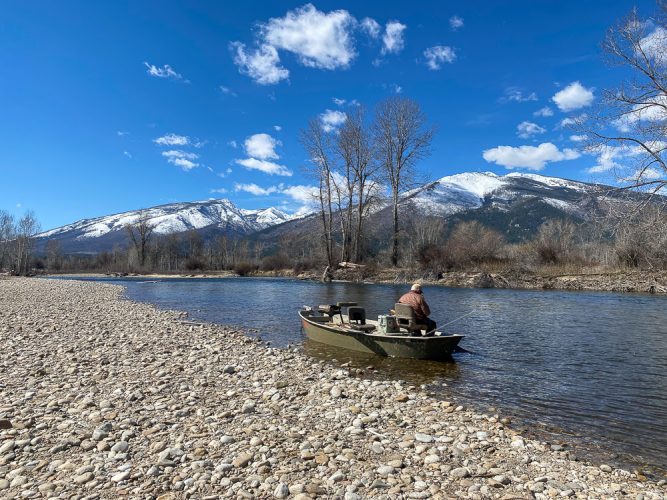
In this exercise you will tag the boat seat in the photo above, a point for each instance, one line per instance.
(356, 314)
(405, 316)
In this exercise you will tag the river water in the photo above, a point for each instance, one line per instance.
(586, 370)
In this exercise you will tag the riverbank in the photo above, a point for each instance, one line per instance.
(102, 396)
(653, 282)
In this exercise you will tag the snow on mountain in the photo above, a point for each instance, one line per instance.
(176, 218)
(471, 190)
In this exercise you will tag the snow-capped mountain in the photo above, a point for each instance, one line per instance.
(208, 217)
(474, 190)
(515, 204)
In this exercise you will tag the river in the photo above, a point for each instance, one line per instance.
(583, 370)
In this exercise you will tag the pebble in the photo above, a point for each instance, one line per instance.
(115, 399)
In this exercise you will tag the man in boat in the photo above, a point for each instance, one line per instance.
(415, 299)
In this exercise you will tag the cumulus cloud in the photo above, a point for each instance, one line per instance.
(546, 111)
(182, 159)
(528, 157)
(332, 119)
(338, 102)
(165, 71)
(268, 167)
(578, 138)
(437, 55)
(456, 23)
(612, 158)
(262, 64)
(653, 110)
(392, 40)
(572, 120)
(370, 26)
(574, 96)
(318, 39)
(302, 194)
(172, 140)
(255, 189)
(528, 129)
(654, 45)
(262, 146)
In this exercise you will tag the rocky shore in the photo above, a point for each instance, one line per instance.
(104, 398)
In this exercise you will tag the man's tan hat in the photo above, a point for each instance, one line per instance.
(416, 287)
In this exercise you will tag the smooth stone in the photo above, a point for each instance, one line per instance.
(281, 491)
(242, 460)
(120, 447)
(84, 478)
(121, 476)
(423, 438)
(459, 473)
(385, 470)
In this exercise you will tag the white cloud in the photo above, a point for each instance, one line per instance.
(527, 129)
(183, 163)
(227, 91)
(516, 94)
(439, 54)
(528, 157)
(165, 71)
(572, 120)
(277, 128)
(578, 138)
(128, 154)
(255, 189)
(233, 144)
(268, 167)
(181, 159)
(545, 111)
(121, 133)
(219, 190)
(611, 157)
(395, 88)
(332, 119)
(262, 65)
(172, 140)
(229, 170)
(455, 22)
(175, 153)
(653, 110)
(574, 96)
(392, 40)
(654, 45)
(262, 146)
(370, 26)
(319, 40)
(338, 102)
(302, 194)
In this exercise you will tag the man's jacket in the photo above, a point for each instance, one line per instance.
(418, 304)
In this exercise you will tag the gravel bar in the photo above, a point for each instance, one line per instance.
(101, 397)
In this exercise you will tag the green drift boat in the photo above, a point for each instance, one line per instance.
(328, 325)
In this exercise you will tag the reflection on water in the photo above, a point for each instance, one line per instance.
(416, 372)
(592, 365)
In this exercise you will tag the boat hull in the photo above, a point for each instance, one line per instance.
(434, 347)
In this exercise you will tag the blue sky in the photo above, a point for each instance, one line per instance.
(113, 106)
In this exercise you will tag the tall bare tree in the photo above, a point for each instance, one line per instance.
(6, 237)
(140, 232)
(402, 137)
(356, 149)
(26, 229)
(631, 122)
(317, 144)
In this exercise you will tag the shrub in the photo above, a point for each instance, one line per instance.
(274, 262)
(244, 268)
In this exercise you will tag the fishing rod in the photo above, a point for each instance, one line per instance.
(457, 319)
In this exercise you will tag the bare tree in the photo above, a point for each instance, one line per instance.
(631, 123)
(6, 237)
(356, 149)
(318, 146)
(140, 232)
(25, 231)
(402, 137)
(54, 255)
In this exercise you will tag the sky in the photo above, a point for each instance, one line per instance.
(115, 106)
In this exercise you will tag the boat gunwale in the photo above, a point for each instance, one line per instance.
(337, 329)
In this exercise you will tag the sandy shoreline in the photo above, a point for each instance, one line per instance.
(103, 397)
